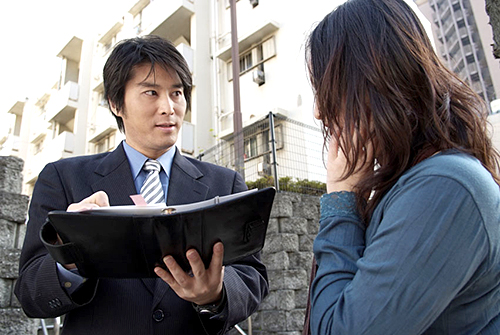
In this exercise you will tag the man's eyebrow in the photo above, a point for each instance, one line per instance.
(149, 84)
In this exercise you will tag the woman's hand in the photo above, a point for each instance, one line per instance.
(337, 166)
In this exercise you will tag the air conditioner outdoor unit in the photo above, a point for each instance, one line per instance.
(254, 3)
(259, 77)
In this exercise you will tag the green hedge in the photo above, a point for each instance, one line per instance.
(303, 186)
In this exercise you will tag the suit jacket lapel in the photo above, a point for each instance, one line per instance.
(184, 187)
(116, 178)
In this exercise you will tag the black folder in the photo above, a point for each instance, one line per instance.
(129, 241)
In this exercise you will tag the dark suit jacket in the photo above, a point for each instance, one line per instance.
(127, 306)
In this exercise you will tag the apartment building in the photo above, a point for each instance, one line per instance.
(72, 117)
(53, 126)
(464, 38)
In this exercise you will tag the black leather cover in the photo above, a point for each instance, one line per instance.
(125, 246)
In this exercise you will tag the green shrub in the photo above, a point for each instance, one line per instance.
(287, 184)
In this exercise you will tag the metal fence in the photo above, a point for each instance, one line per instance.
(289, 158)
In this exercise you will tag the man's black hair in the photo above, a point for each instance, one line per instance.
(130, 53)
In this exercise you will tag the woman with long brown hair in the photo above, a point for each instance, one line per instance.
(409, 238)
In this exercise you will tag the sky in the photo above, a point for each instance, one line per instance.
(32, 34)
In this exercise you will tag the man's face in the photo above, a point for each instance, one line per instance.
(153, 110)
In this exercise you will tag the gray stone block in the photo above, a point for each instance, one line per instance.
(14, 302)
(290, 196)
(276, 260)
(11, 178)
(11, 163)
(300, 260)
(21, 233)
(295, 279)
(282, 208)
(262, 332)
(281, 242)
(273, 226)
(270, 321)
(288, 279)
(13, 321)
(9, 262)
(7, 233)
(301, 297)
(276, 280)
(269, 301)
(280, 300)
(312, 226)
(289, 333)
(5, 292)
(295, 225)
(307, 209)
(13, 207)
(306, 242)
(295, 320)
(285, 299)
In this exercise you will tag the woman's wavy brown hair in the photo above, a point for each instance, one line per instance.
(377, 80)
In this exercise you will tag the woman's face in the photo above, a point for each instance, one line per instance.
(316, 112)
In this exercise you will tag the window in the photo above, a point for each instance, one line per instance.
(138, 23)
(105, 144)
(108, 45)
(251, 146)
(259, 144)
(101, 100)
(254, 57)
(245, 62)
(37, 146)
(474, 76)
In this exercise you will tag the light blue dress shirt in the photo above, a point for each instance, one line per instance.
(136, 161)
(70, 279)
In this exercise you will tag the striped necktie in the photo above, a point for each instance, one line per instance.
(151, 189)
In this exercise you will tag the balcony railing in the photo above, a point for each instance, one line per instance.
(101, 124)
(60, 147)
(63, 104)
(169, 19)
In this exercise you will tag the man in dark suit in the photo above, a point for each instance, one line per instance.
(148, 87)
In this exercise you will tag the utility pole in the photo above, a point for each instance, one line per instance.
(237, 120)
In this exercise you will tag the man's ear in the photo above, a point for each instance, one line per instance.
(113, 108)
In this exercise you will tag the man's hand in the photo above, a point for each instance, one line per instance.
(204, 286)
(98, 199)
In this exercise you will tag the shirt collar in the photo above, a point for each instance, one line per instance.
(137, 160)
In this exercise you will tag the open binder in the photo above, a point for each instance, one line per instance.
(129, 241)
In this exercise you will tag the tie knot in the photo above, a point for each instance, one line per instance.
(152, 165)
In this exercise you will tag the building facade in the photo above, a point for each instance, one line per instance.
(72, 117)
(463, 41)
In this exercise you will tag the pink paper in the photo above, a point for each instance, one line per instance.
(138, 200)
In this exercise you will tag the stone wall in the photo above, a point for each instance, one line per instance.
(13, 208)
(287, 254)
